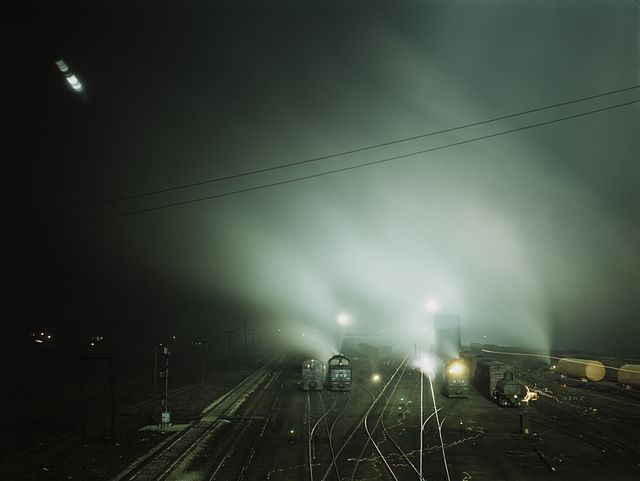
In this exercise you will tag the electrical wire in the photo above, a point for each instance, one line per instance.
(333, 171)
(315, 159)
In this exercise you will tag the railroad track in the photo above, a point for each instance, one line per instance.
(371, 422)
(168, 456)
(339, 405)
(355, 440)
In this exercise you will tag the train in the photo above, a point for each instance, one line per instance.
(339, 373)
(457, 379)
(509, 392)
(314, 374)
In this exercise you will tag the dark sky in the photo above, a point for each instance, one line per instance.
(533, 237)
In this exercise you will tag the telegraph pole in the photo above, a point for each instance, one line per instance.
(155, 381)
(229, 335)
(91, 348)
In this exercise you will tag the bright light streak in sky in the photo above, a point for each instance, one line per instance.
(69, 76)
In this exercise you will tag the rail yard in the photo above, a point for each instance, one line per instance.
(268, 425)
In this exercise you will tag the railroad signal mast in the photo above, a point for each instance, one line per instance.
(165, 417)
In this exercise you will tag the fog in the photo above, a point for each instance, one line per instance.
(531, 237)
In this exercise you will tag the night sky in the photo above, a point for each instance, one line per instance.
(533, 237)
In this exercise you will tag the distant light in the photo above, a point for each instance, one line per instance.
(432, 305)
(72, 80)
(62, 66)
(38, 340)
(426, 364)
(291, 431)
(343, 319)
(375, 377)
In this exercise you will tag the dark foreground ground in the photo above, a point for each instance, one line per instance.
(578, 431)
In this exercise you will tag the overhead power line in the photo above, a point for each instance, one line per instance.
(314, 159)
(337, 170)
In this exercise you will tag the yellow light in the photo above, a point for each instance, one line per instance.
(456, 368)
(375, 377)
(530, 396)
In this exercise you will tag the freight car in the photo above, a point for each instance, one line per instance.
(313, 375)
(629, 375)
(457, 379)
(339, 373)
(581, 369)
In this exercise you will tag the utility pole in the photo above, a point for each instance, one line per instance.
(202, 347)
(252, 336)
(246, 335)
(112, 389)
(83, 408)
(155, 381)
(229, 335)
(93, 348)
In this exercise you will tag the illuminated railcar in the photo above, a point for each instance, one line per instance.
(457, 379)
(339, 373)
(314, 373)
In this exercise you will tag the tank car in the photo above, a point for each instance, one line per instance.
(313, 375)
(457, 378)
(339, 373)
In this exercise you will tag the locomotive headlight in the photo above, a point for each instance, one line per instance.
(455, 368)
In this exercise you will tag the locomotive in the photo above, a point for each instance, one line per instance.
(457, 378)
(339, 373)
(313, 375)
(509, 392)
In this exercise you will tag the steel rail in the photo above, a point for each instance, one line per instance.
(355, 429)
(402, 366)
(381, 422)
(252, 452)
(240, 435)
(165, 460)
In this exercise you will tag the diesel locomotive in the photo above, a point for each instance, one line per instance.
(339, 373)
(313, 375)
(457, 379)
